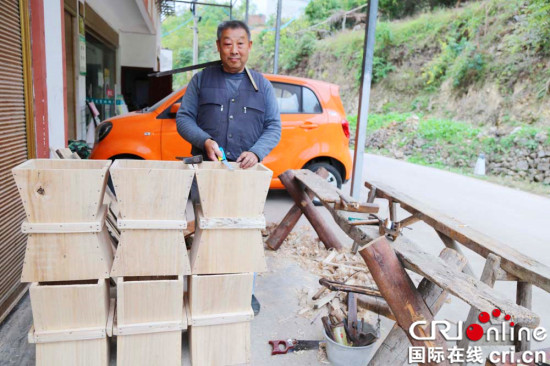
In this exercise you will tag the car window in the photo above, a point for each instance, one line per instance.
(288, 97)
(296, 99)
(310, 102)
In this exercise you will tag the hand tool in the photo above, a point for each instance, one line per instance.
(280, 347)
(197, 159)
(223, 159)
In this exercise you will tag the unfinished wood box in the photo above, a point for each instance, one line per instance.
(152, 190)
(67, 256)
(151, 253)
(232, 193)
(219, 299)
(150, 305)
(62, 191)
(70, 307)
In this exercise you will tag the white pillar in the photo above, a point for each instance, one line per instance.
(55, 81)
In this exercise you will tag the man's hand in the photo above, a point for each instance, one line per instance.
(212, 150)
(247, 159)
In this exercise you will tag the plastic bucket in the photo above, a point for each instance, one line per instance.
(340, 355)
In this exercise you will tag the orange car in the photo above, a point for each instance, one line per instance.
(315, 132)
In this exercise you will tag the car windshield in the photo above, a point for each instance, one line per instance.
(161, 102)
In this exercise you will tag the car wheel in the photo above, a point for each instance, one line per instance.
(333, 178)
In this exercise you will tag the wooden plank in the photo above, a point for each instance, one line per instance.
(224, 344)
(394, 348)
(151, 224)
(402, 297)
(206, 292)
(224, 318)
(149, 349)
(512, 261)
(148, 328)
(304, 202)
(67, 335)
(66, 307)
(231, 222)
(67, 227)
(151, 190)
(62, 191)
(149, 300)
(227, 251)
(94, 352)
(236, 193)
(151, 253)
(473, 292)
(67, 257)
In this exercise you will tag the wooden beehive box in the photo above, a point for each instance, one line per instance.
(67, 257)
(61, 191)
(151, 253)
(222, 298)
(71, 306)
(238, 193)
(227, 251)
(152, 190)
(219, 332)
(149, 304)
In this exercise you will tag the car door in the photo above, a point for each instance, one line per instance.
(301, 117)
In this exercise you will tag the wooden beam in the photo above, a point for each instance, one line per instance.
(524, 297)
(306, 205)
(450, 243)
(402, 297)
(376, 305)
(290, 220)
(393, 350)
(512, 261)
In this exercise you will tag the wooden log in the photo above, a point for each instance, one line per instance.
(402, 297)
(376, 305)
(306, 205)
(393, 350)
(524, 297)
(450, 243)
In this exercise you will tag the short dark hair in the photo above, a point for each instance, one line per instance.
(233, 24)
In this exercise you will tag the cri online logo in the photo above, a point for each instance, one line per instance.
(475, 332)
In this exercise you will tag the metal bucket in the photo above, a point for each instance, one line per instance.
(340, 355)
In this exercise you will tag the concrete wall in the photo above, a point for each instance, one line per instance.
(138, 50)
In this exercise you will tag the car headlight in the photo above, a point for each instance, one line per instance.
(103, 130)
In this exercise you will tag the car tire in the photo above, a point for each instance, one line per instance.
(334, 177)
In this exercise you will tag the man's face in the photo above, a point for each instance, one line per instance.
(234, 47)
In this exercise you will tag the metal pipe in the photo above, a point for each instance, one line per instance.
(277, 36)
(364, 97)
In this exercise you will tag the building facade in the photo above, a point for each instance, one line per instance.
(55, 56)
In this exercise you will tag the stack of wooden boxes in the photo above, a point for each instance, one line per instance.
(227, 249)
(68, 258)
(151, 260)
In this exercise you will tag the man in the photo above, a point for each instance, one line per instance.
(229, 107)
(221, 106)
